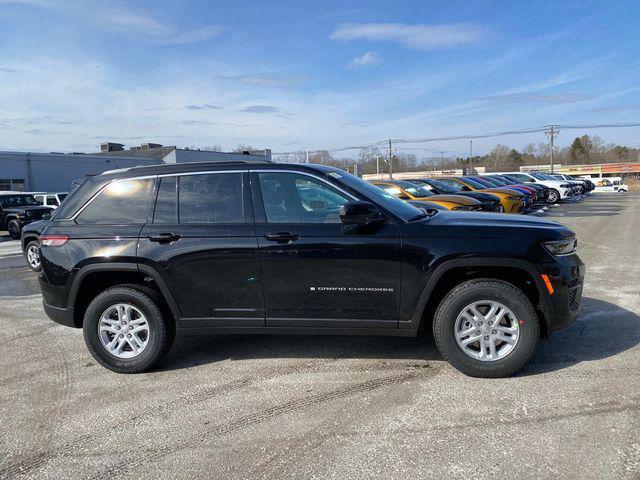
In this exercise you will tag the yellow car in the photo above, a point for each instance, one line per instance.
(511, 201)
(410, 191)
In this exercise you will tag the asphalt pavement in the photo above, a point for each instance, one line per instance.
(335, 407)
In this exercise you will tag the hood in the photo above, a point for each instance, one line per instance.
(483, 197)
(506, 191)
(461, 199)
(493, 224)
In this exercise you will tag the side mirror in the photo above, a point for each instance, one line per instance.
(46, 216)
(358, 213)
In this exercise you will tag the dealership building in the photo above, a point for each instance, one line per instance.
(54, 172)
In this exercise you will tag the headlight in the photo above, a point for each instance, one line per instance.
(561, 247)
(565, 185)
(513, 197)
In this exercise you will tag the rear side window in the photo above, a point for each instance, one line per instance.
(215, 198)
(124, 202)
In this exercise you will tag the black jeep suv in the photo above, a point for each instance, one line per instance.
(135, 255)
(18, 210)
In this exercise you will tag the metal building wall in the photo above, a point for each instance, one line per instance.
(52, 172)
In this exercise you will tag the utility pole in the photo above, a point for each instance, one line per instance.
(470, 155)
(377, 157)
(551, 133)
(306, 154)
(390, 160)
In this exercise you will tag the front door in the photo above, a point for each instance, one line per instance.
(316, 271)
(202, 241)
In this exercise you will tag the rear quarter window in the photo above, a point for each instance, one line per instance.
(123, 202)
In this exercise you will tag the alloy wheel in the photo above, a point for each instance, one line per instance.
(123, 330)
(33, 256)
(487, 330)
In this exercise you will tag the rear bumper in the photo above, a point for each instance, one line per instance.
(63, 316)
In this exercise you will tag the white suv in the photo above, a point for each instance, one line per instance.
(52, 200)
(558, 190)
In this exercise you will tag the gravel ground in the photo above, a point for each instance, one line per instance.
(335, 407)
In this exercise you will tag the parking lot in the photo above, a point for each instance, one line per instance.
(334, 407)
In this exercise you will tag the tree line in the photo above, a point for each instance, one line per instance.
(583, 150)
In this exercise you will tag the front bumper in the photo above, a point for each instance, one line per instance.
(567, 278)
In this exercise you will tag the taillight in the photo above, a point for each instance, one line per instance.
(53, 240)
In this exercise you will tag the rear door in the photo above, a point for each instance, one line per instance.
(201, 240)
(318, 272)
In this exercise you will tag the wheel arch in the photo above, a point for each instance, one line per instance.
(91, 279)
(452, 272)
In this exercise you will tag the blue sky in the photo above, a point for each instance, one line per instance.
(293, 74)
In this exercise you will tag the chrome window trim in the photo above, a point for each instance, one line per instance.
(106, 185)
(144, 177)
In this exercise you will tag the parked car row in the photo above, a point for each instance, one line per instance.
(510, 192)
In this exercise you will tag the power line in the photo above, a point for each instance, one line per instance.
(469, 136)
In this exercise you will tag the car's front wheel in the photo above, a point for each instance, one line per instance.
(486, 328)
(32, 254)
(125, 331)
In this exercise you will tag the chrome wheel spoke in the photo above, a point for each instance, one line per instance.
(124, 330)
(487, 330)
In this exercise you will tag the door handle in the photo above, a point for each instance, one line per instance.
(282, 237)
(165, 237)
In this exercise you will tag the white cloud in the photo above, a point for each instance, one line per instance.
(365, 60)
(419, 37)
(532, 97)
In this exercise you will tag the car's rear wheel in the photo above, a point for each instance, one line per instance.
(13, 227)
(32, 254)
(125, 331)
(486, 328)
(554, 196)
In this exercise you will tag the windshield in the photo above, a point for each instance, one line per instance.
(542, 176)
(17, 200)
(376, 194)
(62, 196)
(494, 181)
(414, 189)
(441, 186)
(481, 182)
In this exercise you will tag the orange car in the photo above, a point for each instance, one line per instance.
(511, 201)
(410, 191)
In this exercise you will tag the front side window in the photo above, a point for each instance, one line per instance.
(296, 198)
(123, 202)
(212, 198)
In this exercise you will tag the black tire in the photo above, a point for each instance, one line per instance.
(14, 229)
(160, 326)
(30, 245)
(554, 196)
(486, 289)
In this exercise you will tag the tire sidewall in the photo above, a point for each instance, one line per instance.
(16, 234)
(157, 330)
(528, 323)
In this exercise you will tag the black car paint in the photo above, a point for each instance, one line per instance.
(328, 278)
